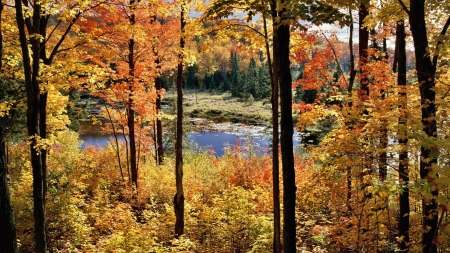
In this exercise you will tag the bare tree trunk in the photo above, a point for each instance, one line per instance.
(8, 242)
(159, 136)
(31, 73)
(426, 70)
(178, 199)
(130, 108)
(403, 222)
(363, 46)
(275, 143)
(287, 152)
(349, 94)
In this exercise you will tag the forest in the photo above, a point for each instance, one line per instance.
(369, 79)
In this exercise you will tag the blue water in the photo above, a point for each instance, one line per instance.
(217, 141)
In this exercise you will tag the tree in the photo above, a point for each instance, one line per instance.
(235, 76)
(135, 43)
(44, 48)
(403, 170)
(8, 244)
(287, 154)
(212, 85)
(178, 199)
(7, 223)
(426, 75)
(251, 80)
(263, 85)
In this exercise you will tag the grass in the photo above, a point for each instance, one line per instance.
(222, 107)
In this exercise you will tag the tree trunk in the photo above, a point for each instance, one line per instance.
(178, 200)
(8, 242)
(31, 73)
(351, 81)
(426, 77)
(275, 141)
(130, 108)
(159, 137)
(383, 162)
(403, 222)
(287, 152)
(363, 46)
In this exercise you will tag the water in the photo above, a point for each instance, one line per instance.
(218, 137)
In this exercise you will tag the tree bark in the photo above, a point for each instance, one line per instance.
(31, 72)
(159, 136)
(130, 108)
(287, 152)
(403, 222)
(363, 46)
(426, 76)
(275, 139)
(8, 242)
(178, 200)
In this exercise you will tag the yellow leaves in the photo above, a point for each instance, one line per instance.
(36, 36)
(4, 108)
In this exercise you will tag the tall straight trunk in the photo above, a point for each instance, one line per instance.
(363, 46)
(287, 131)
(43, 133)
(364, 90)
(159, 137)
(275, 141)
(8, 242)
(403, 222)
(382, 167)
(31, 72)
(178, 200)
(426, 71)
(349, 94)
(130, 108)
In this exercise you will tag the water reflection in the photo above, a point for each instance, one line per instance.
(259, 137)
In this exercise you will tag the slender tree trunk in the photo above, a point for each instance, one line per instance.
(287, 131)
(159, 136)
(31, 73)
(275, 144)
(178, 199)
(8, 242)
(382, 167)
(116, 140)
(43, 133)
(425, 73)
(363, 46)
(130, 110)
(403, 222)
(349, 94)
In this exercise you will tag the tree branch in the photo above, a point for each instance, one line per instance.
(334, 53)
(403, 6)
(440, 42)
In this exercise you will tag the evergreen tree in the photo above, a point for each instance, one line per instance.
(235, 76)
(192, 79)
(218, 78)
(212, 85)
(225, 86)
(251, 80)
(206, 82)
(263, 85)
